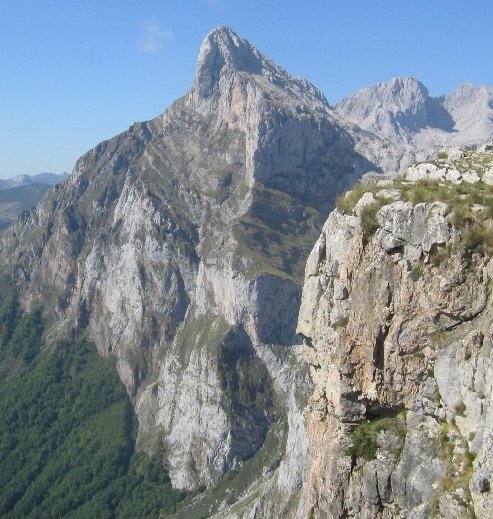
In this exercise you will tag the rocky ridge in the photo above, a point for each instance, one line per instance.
(49, 179)
(396, 313)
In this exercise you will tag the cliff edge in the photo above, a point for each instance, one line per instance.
(396, 312)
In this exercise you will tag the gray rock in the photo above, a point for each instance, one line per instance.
(487, 177)
(480, 483)
(471, 177)
(413, 338)
(366, 200)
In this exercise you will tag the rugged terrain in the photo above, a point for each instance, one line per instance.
(49, 179)
(179, 247)
(396, 314)
(401, 111)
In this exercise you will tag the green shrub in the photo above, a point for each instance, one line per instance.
(364, 437)
(460, 408)
(341, 322)
(345, 203)
(416, 272)
(478, 238)
(369, 222)
(438, 254)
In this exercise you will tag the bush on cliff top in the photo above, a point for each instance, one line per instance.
(364, 437)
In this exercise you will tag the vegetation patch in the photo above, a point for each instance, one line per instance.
(369, 222)
(67, 430)
(345, 203)
(416, 272)
(276, 234)
(478, 238)
(342, 322)
(458, 466)
(470, 209)
(364, 437)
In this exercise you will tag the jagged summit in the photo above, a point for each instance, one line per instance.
(392, 109)
(401, 110)
(472, 109)
(401, 89)
(223, 47)
(223, 54)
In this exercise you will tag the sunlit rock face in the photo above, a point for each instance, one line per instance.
(396, 312)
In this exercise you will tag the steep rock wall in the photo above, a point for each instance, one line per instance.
(396, 312)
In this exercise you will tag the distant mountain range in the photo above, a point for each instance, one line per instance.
(401, 111)
(22, 192)
(50, 179)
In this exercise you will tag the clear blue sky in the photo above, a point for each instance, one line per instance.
(74, 72)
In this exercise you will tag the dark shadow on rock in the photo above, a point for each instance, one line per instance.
(438, 117)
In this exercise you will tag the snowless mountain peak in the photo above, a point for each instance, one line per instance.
(223, 55)
(402, 110)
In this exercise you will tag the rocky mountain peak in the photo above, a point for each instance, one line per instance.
(402, 111)
(222, 47)
(471, 107)
(404, 85)
(224, 55)
(391, 109)
(467, 94)
(399, 93)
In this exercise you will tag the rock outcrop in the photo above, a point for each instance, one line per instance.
(396, 313)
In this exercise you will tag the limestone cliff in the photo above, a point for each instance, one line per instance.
(396, 312)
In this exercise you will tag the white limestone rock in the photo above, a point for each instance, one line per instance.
(487, 177)
(453, 176)
(471, 177)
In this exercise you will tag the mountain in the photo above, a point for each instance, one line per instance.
(402, 112)
(23, 192)
(178, 246)
(471, 108)
(49, 179)
(395, 110)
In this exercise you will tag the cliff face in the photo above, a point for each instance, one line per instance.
(396, 312)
